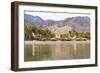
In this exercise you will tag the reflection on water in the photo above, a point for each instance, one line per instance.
(56, 50)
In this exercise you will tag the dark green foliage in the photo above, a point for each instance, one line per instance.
(40, 33)
(28, 33)
(44, 34)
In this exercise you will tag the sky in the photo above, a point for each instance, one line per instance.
(55, 15)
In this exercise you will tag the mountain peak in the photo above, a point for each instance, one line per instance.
(78, 23)
(31, 18)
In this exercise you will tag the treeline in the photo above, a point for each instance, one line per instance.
(39, 33)
(45, 34)
(72, 34)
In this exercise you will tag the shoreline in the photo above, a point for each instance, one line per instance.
(52, 42)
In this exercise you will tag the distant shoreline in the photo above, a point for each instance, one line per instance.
(46, 42)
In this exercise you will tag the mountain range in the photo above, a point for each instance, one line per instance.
(78, 23)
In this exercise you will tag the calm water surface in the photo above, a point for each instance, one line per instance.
(55, 50)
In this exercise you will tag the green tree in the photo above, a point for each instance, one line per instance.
(28, 33)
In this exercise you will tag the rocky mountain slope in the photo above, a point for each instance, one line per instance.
(79, 23)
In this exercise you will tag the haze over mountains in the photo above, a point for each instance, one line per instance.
(78, 23)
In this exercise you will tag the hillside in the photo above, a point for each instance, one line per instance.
(36, 28)
(79, 24)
